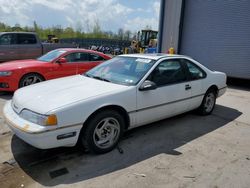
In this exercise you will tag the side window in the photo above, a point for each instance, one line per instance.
(168, 72)
(95, 57)
(77, 57)
(26, 39)
(194, 71)
(7, 39)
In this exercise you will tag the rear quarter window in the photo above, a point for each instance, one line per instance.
(194, 71)
(95, 57)
(26, 39)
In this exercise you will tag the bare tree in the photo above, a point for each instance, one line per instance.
(120, 34)
(127, 35)
(79, 29)
(97, 27)
(148, 27)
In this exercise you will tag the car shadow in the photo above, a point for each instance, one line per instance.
(71, 165)
(6, 95)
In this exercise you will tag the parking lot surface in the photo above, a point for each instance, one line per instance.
(183, 151)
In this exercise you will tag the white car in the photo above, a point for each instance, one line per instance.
(125, 92)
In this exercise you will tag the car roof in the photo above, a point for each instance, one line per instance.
(153, 56)
(17, 32)
(73, 49)
(78, 49)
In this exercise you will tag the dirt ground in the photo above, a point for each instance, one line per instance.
(183, 151)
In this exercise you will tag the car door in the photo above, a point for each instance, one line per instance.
(171, 96)
(88, 61)
(196, 77)
(65, 69)
(28, 46)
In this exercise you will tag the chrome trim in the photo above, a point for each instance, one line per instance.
(223, 88)
(146, 108)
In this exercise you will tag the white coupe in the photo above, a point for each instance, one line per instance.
(125, 92)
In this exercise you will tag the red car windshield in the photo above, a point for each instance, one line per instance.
(50, 56)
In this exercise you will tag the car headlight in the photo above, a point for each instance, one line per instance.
(5, 73)
(39, 118)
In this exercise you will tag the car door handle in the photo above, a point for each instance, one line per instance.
(187, 87)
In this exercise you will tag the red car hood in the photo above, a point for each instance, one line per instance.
(11, 65)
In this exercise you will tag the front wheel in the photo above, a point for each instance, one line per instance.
(30, 79)
(103, 132)
(208, 103)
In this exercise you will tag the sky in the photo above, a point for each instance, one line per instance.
(111, 15)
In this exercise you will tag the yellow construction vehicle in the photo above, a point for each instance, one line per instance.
(146, 42)
(148, 37)
(52, 39)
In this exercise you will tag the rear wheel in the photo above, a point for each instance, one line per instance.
(208, 103)
(30, 79)
(103, 132)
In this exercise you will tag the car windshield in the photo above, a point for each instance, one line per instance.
(51, 55)
(122, 70)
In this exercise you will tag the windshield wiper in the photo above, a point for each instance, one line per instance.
(100, 78)
(96, 77)
(87, 75)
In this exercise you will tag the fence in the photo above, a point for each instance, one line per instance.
(87, 42)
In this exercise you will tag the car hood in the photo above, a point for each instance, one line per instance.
(53, 94)
(11, 65)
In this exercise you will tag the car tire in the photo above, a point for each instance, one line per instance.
(29, 79)
(208, 103)
(103, 131)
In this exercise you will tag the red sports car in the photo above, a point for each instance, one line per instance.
(54, 64)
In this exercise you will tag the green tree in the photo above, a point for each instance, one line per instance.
(91, 32)
(57, 30)
(2, 26)
(69, 33)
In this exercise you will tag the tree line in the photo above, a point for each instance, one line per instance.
(69, 32)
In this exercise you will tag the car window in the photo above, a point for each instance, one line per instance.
(122, 70)
(50, 56)
(8, 39)
(26, 39)
(194, 71)
(77, 57)
(95, 57)
(168, 72)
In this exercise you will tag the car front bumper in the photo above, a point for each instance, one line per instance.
(8, 83)
(41, 137)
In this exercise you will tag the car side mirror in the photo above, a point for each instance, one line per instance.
(147, 85)
(62, 60)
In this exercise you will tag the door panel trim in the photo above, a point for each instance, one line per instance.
(155, 106)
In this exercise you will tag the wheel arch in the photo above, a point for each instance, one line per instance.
(117, 108)
(27, 73)
(215, 88)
